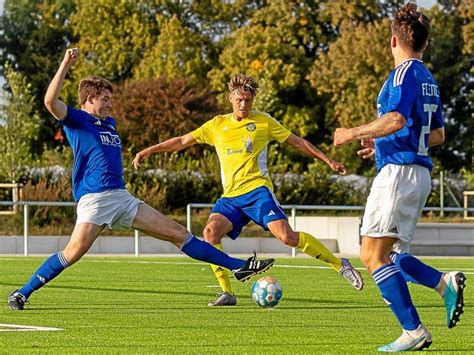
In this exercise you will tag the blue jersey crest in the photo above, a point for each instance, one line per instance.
(411, 91)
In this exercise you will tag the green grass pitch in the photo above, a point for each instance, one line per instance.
(159, 305)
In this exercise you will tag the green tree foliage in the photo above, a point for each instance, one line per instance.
(19, 127)
(179, 52)
(154, 110)
(350, 75)
(446, 57)
(33, 34)
(113, 36)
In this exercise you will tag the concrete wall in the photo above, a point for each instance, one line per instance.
(339, 234)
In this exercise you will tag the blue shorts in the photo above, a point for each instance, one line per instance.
(259, 205)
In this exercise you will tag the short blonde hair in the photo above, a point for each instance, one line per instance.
(241, 83)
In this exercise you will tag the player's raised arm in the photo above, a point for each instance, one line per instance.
(171, 145)
(306, 148)
(51, 100)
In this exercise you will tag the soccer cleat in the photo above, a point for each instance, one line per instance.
(419, 340)
(16, 301)
(453, 297)
(223, 299)
(353, 276)
(252, 267)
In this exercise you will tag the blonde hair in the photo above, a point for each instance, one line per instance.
(241, 83)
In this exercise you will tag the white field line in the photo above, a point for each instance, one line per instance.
(26, 328)
(467, 271)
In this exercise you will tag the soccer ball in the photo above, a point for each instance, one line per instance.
(266, 292)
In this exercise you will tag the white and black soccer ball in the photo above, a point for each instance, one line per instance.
(266, 292)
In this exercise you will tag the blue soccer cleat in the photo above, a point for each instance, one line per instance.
(453, 297)
(415, 340)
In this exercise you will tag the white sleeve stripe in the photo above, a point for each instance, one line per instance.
(400, 73)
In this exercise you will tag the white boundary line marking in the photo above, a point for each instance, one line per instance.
(26, 328)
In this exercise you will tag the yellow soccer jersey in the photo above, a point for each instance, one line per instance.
(242, 149)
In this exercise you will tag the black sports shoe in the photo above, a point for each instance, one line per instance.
(252, 267)
(16, 301)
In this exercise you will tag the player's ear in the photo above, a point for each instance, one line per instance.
(425, 46)
(393, 41)
(90, 99)
(230, 97)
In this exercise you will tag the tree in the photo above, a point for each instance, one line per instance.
(350, 75)
(179, 52)
(33, 34)
(154, 110)
(449, 59)
(19, 127)
(113, 36)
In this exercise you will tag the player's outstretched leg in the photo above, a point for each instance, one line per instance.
(313, 247)
(81, 240)
(51, 268)
(242, 269)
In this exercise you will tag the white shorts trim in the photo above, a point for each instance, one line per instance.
(115, 208)
(396, 200)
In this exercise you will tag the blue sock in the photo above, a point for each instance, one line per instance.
(413, 270)
(51, 268)
(203, 251)
(395, 293)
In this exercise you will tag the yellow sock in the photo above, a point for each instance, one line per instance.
(313, 247)
(222, 274)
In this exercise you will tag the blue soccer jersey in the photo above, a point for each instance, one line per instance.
(97, 153)
(411, 91)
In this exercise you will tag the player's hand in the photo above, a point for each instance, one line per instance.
(139, 157)
(71, 56)
(369, 149)
(342, 136)
(338, 167)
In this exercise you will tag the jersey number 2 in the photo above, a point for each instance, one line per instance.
(425, 130)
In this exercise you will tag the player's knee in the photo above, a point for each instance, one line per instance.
(366, 259)
(74, 253)
(211, 235)
(289, 238)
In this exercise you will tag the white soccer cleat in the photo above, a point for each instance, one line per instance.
(352, 276)
(413, 340)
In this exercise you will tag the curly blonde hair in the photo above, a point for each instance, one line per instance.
(241, 83)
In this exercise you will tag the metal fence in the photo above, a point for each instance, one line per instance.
(26, 207)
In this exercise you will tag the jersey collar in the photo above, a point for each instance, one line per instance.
(407, 60)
